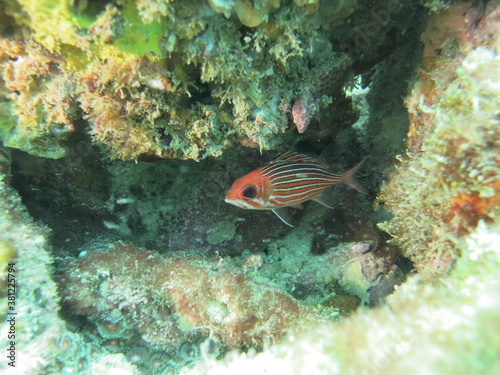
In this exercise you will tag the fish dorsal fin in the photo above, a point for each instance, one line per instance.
(285, 214)
(292, 157)
(327, 157)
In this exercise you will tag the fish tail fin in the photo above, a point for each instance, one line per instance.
(349, 178)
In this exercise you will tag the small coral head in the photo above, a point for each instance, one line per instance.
(303, 110)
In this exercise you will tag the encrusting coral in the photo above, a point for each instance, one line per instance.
(176, 79)
(451, 177)
(429, 325)
(179, 298)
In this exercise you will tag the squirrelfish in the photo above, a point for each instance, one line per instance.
(287, 181)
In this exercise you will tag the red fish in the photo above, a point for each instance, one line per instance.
(289, 180)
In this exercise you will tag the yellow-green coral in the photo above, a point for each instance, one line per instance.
(75, 26)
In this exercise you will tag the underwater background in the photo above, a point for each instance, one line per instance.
(124, 123)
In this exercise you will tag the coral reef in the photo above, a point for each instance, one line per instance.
(451, 177)
(433, 325)
(177, 299)
(143, 268)
(41, 340)
(177, 79)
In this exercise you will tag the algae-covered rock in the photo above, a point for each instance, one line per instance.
(36, 338)
(177, 79)
(189, 300)
(220, 232)
(451, 177)
(429, 325)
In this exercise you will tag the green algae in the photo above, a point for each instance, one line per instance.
(138, 38)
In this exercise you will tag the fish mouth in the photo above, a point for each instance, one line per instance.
(231, 201)
(240, 204)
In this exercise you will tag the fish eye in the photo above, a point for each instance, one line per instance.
(250, 192)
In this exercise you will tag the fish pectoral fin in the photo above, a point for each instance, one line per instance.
(325, 200)
(285, 214)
